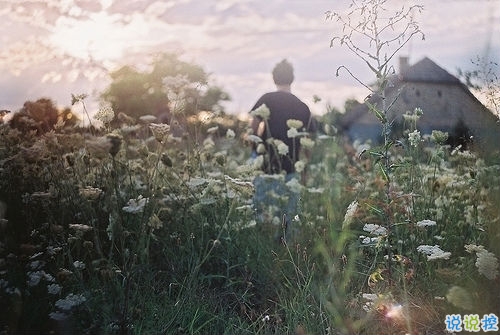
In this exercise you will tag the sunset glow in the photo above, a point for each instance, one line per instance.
(237, 41)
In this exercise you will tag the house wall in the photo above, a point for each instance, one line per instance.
(443, 106)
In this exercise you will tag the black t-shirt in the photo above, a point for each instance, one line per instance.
(283, 106)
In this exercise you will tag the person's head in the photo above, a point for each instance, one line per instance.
(283, 73)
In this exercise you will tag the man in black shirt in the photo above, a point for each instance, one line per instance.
(279, 119)
(283, 106)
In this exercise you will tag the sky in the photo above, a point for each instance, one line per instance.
(55, 48)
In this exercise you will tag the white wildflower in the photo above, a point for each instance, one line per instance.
(414, 138)
(306, 142)
(230, 134)
(426, 223)
(177, 82)
(439, 137)
(370, 296)
(159, 130)
(459, 297)
(375, 229)
(292, 132)
(212, 130)
(254, 138)
(195, 182)
(282, 147)
(105, 114)
(300, 166)
(71, 300)
(262, 111)
(35, 277)
(369, 240)
(135, 206)
(80, 227)
(53, 289)
(79, 265)
(486, 262)
(208, 143)
(147, 118)
(318, 190)
(36, 264)
(470, 248)
(58, 316)
(295, 124)
(433, 252)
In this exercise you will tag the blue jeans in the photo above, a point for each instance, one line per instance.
(273, 198)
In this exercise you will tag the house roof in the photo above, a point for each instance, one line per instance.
(428, 71)
(424, 71)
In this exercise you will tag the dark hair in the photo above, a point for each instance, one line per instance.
(283, 73)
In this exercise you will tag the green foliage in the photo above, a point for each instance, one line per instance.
(41, 117)
(152, 92)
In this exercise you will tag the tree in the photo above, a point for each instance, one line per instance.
(169, 86)
(485, 80)
(42, 116)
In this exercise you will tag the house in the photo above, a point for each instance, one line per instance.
(447, 105)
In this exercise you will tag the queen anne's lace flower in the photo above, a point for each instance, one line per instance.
(426, 223)
(282, 147)
(486, 262)
(79, 265)
(54, 289)
(230, 134)
(135, 206)
(306, 142)
(105, 114)
(414, 138)
(293, 123)
(459, 297)
(71, 300)
(262, 111)
(292, 133)
(159, 130)
(375, 229)
(300, 166)
(433, 252)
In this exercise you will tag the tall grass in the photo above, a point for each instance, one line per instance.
(124, 232)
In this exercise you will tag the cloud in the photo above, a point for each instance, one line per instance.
(239, 41)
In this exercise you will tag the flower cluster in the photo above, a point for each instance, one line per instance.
(105, 114)
(486, 263)
(159, 130)
(135, 206)
(262, 111)
(414, 138)
(433, 252)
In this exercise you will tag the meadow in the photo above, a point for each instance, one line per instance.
(139, 228)
(135, 225)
